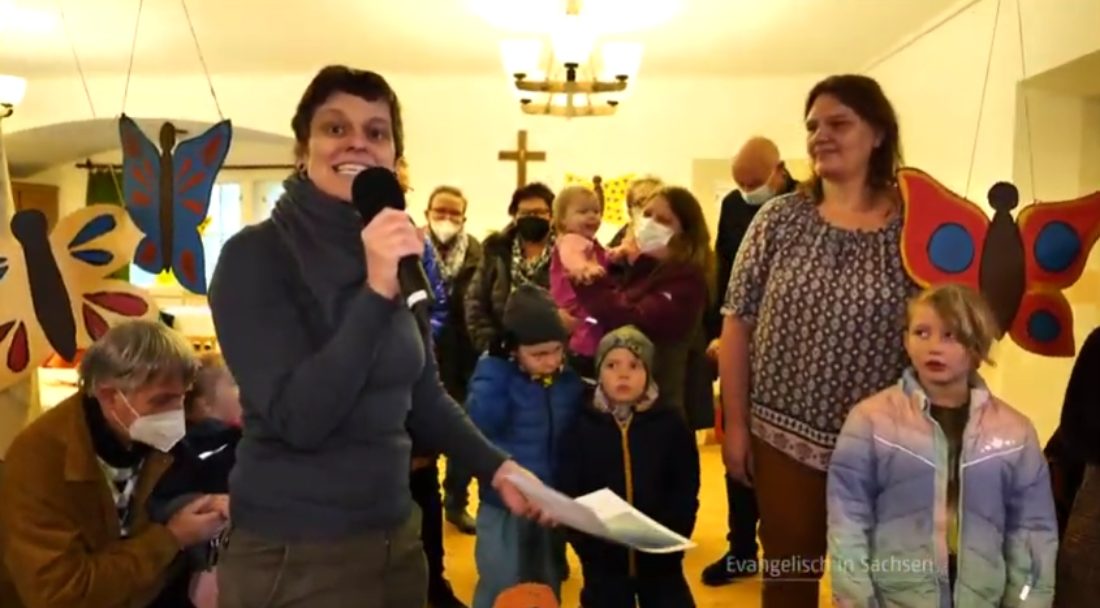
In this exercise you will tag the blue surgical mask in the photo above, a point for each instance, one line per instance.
(759, 196)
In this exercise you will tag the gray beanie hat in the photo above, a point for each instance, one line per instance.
(630, 338)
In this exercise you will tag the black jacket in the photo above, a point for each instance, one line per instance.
(1080, 423)
(201, 464)
(663, 480)
(1076, 441)
(733, 223)
(490, 287)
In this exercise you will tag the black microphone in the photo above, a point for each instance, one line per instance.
(373, 190)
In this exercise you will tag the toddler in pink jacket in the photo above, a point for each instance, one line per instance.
(578, 257)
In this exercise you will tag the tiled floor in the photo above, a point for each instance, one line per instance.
(710, 535)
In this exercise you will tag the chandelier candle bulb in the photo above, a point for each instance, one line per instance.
(12, 89)
(621, 59)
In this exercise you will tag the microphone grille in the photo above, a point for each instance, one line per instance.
(377, 187)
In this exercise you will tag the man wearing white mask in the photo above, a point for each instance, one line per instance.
(74, 523)
(760, 176)
(459, 257)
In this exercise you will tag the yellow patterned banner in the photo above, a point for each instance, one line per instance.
(614, 195)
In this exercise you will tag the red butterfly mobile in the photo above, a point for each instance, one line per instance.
(1021, 266)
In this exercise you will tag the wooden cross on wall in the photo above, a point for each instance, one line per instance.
(521, 155)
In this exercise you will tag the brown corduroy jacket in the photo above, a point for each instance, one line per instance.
(59, 530)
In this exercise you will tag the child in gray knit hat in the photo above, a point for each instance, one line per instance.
(633, 443)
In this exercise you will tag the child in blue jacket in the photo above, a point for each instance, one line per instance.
(522, 397)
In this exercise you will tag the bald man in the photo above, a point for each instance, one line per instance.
(760, 176)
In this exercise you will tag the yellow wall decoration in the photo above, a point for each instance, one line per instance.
(614, 195)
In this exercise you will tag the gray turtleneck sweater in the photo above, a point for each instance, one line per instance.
(329, 398)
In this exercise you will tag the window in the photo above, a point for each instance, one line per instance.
(224, 220)
(267, 194)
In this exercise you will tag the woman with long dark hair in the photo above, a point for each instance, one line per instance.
(817, 296)
(663, 291)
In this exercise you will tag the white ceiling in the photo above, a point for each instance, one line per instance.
(718, 37)
(33, 150)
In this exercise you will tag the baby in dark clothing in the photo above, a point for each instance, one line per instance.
(201, 466)
(630, 442)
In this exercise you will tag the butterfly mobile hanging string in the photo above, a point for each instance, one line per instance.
(167, 188)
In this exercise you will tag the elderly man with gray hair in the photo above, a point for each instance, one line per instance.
(74, 524)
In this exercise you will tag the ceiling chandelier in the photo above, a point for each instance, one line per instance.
(572, 77)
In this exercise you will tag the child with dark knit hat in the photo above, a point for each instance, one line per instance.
(523, 397)
(631, 442)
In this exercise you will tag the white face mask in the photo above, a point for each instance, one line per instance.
(759, 196)
(444, 230)
(652, 235)
(159, 431)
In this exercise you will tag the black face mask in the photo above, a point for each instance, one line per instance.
(533, 229)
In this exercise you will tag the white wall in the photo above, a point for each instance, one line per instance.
(456, 125)
(936, 86)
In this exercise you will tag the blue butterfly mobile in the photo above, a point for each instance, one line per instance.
(167, 194)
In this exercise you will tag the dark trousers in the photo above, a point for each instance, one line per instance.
(604, 589)
(793, 527)
(742, 519)
(456, 487)
(456, 483)
(742, 515)
(424, 485)
(376, 569)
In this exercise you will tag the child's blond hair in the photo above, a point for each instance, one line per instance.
(965, 313)
(566, 198)
(211, 367)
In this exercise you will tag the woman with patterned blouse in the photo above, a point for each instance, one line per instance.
(817, 296)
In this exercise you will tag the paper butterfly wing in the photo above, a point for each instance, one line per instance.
(1057, 239)
(943, 234)
(89, 245)
(141, 193)
(196, 163)
(23, 344)
(1044, 324)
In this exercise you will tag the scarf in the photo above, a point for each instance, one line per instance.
(453, 254)
(623, 412)
(322, 234)
(526, 271)
(120, 465)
